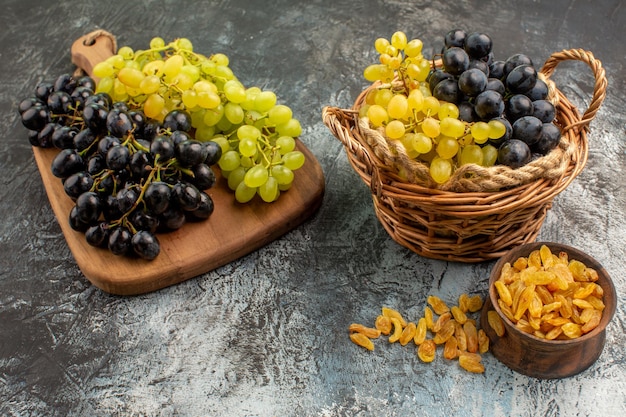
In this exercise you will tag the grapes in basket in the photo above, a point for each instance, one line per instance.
(461, 106)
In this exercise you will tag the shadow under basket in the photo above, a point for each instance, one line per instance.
(481, 212)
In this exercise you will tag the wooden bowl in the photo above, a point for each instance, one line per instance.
(542, 358)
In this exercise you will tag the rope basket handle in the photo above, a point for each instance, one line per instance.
(600, 85)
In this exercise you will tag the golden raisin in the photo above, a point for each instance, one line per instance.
(475, 303)
(450, 349)
(427, 350)
(420, 331)
(397, 330)
(428, 315)
(483, 341)
(458, 314)
(383, 324)
(441, 321)
(437, 304)
(471, 363)
(447, 330)
(503, 292)
(367, 331)
(472, 336)
(391, 313)
(362, 340)
(460, 336)
(407, 334)
(495, 322)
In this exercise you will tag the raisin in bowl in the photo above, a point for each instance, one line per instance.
(547, 311)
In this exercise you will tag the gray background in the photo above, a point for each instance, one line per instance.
(267, 334)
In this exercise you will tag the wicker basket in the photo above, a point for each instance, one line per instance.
(482, 212)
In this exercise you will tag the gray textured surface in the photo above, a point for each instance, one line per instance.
(266, 335)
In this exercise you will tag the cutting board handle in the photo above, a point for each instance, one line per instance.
(92, 48)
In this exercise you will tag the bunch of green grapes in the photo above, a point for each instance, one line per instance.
(429, 129)
(257, 135)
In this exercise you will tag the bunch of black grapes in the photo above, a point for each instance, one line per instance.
(130, 177)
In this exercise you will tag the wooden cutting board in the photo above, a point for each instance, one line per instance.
(232, 231)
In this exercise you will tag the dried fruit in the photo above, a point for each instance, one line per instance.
(391, 313)
(383, 324)
(397, 330)
(495, 322)
(483, 341)
(367, 331)
(471, 362)
(549, 295)
(437, 304)
(420, 331)
(362, 340)
(407, 334)
(427, 351)
(472, 336)
(450, 348)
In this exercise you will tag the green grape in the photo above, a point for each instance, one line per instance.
(224, 72)
(285, 144)
(249, 132)
(248, 161)
(378, 72)
(413, 48)
(448, 110)
(248, 147)
(103, 69)
(234, 91)
(415, 100)
(264, 101)
(235, 177)
(150, 84)
(208, 99)
(182, 81)
(256, 176)
(269, 191)
(157, 43)
(452, 127)
(399, 40)
(130, 77)
(189, 98)
(440, 170)
(471, 154)
(117, 61)
(447, 147)
(191, 71)
(220, 59)
(431, 106)
(153, 68)
(234, 113)
(173, 65)
(378, 115)
(424, 66)
(291, 128)
(381, 45)
(430, 127)
(213, 116)
(395, 129)
(105, 85)
(279, 114)
(153, 106)
(422, 143)
(407, 141)
(205, 133)
(490, 155)
(243, 193)
(229, 160)
(293, 160)
(480, 132)
(185, 44)
(383, 97)
(398, 107)
(283, 175)
(497, 129)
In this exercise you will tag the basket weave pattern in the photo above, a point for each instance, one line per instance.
(482, 212)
